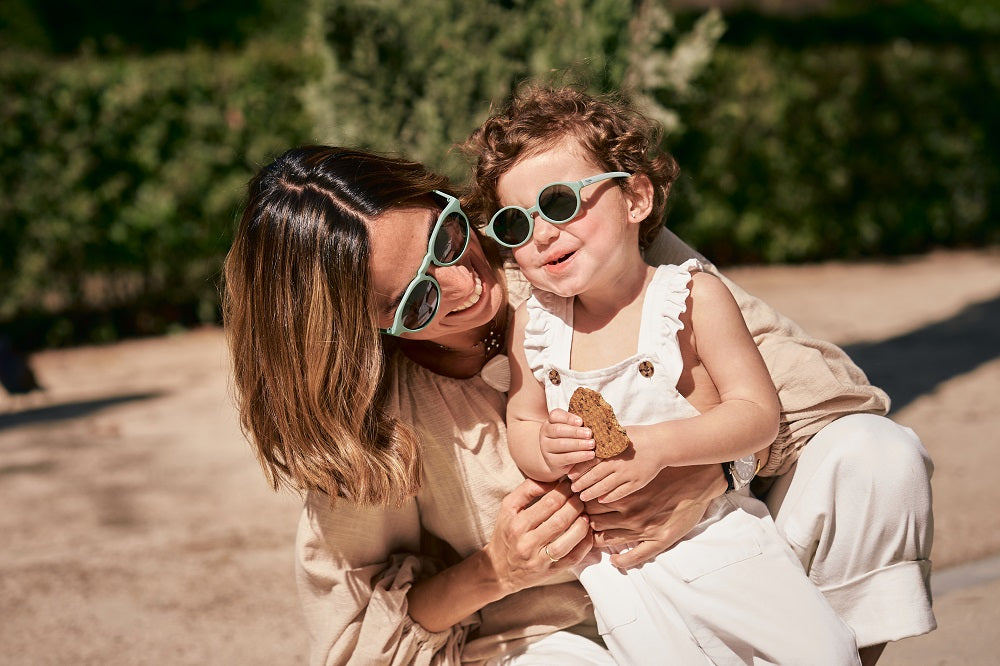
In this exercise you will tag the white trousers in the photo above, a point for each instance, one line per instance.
(730, 593)
(856, 510)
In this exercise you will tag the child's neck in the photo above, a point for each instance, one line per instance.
(606, 327)
(598, 306)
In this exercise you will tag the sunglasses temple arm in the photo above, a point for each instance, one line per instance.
(603, 176)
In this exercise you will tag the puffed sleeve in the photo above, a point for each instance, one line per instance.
(354, 566)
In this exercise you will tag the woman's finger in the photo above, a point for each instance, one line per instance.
(525, 494)
(580, 550)
(566, 543)
(642, 553)
(561, 520)
(547, 507)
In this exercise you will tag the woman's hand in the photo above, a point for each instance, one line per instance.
(541, 529)
(533, 517)
(658, 515)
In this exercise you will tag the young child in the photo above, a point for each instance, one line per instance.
(577, 180)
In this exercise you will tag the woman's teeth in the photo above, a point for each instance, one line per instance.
(477, 292)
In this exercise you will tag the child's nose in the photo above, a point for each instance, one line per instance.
(544, 232)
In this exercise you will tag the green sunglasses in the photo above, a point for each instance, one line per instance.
(558, 203)
(448, 241)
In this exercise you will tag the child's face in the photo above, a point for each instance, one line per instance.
(589, 251)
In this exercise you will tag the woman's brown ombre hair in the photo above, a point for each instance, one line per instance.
(308, 359)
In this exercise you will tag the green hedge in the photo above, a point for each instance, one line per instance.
(840, 151)
(121, 179)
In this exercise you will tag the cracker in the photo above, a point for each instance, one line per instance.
(610, 437)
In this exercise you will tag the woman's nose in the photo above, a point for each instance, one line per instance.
(455, 280)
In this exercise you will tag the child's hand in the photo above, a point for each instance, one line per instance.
(564, 441)
(614, 478)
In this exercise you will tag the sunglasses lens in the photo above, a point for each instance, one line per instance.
(511, 226)
(451, 239)
(420, 306)
(558, 203)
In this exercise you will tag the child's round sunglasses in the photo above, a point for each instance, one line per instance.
(449, 238)
(557, 203)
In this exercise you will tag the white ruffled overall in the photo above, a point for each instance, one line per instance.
(732, 591)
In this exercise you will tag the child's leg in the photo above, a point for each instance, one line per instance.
(866, 480)
(743, 595)
(636, 627)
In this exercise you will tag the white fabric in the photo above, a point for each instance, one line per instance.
(856, 509)
(734, 593)
(354, 565)
(731, 590)
(562, 647)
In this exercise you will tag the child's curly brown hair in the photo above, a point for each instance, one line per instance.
(536, 118)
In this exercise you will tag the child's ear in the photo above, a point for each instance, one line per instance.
(639, 198)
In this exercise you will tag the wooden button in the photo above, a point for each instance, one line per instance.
(554, 377)
(646, 369)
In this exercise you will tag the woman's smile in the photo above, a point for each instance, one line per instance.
(474, 297)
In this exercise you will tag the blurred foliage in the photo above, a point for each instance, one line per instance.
(416, 77)
(840, 152)
(128, 131)
(68, 27)
(121, 179)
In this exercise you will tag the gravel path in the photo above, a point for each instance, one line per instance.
(138, 528)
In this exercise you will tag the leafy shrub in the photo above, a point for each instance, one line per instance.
(840, 151)
(121, 178)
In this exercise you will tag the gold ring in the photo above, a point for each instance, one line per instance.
(548, 554)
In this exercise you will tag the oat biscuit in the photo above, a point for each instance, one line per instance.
(610, 437)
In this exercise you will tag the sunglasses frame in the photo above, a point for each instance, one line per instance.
(575, 187)
(452, 206)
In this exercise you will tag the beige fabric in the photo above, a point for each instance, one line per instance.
(354, 565)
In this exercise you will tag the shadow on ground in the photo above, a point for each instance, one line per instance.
(69, 410)
(911, 365)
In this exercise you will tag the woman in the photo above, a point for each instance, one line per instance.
(420, 541)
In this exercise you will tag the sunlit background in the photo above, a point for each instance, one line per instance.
(839, 159)
(806, 130)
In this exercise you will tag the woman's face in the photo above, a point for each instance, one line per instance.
(470, 293)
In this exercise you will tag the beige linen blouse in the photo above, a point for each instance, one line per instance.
(354, 565)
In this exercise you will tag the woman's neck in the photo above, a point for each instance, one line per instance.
(460, 356)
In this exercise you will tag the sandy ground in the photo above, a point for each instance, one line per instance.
(138, 529)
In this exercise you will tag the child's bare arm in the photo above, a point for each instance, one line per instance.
(544, 446)
(744, 421)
